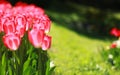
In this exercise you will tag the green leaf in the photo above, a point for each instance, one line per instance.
(27, 71)
(49, 70)
(3, 67)
(1, 70)
(26, 65)
(48, 67)
(10, 70)
(4, 59)
(16, 58)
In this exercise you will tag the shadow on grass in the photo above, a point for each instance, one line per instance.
(84, 19)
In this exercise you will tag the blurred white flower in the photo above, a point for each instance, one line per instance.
(110, 56)
(107, 47)
(117, 42)
(98, 67)
(52, 64)
(113, 67)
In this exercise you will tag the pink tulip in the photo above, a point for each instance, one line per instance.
(20, 19)
(11, 41)
(46, 22)
(20, 31)
(5, 5)
(9, 26)
(38, 26)
(46, 42)
(1, 26)
(35, 37)
(42, 22)
(20, 23)
(29, 22)
(8, 23)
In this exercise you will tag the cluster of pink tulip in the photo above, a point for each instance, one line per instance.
(23, 18)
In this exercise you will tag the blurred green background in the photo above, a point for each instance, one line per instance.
(80, 28)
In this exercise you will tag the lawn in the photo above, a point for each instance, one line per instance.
(71, 51)
(74, 53)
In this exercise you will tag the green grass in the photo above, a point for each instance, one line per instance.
(74, 53)
(70, 50)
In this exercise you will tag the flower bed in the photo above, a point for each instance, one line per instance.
(24, 39)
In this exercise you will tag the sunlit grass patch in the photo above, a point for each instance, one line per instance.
(70, 50)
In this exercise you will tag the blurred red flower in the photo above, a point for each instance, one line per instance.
(114, 45)
(115, 32)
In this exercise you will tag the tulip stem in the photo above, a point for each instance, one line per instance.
(42, 60)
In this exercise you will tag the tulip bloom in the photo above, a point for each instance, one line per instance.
(46, 22)
(46, 42)
(20, 23)
(5, 5)
(29, 22)
(9, 26)
(35, 37)
(11, 41)
(1, 26)
(42, 22)
(8, 23)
